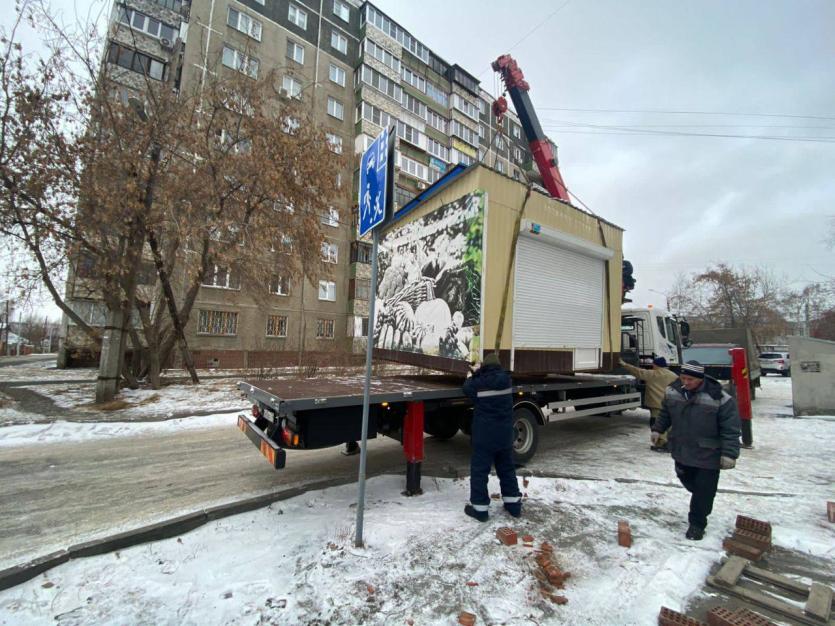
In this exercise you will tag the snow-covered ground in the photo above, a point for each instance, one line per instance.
(294, 562)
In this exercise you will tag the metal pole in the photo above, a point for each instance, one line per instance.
(366, 394)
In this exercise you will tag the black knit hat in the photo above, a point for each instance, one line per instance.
(694, 369)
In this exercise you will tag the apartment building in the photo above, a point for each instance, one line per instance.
(358, 71)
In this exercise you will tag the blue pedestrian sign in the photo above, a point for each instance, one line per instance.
(372, 191)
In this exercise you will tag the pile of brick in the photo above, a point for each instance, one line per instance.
(720, 616)
(717, 616)
(549, 575)
(751, 538)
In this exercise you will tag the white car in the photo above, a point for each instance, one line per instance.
(776, 363)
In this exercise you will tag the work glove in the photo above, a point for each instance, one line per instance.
(653, 437)
(727, 462)
(621, 362)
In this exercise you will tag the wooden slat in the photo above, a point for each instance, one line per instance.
(730, 572)
(819, 603)
(777, 580)
(769, 602)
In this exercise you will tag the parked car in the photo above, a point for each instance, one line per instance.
(775, 363)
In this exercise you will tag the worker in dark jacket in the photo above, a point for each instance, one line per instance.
(704, 438)
(490, 389)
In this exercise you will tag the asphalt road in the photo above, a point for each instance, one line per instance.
(54, 495)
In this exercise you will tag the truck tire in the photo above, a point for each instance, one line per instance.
(442, 427)
(525, 435)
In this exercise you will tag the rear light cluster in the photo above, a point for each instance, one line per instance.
(289, 437)
(781, 361)
(256, 411)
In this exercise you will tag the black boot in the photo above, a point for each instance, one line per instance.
(695, 533)
(351, 448)
(481, 516)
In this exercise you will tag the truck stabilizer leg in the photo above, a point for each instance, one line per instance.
(413, 447)
(739, 375)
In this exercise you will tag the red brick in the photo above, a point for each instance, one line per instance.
(754, 525)
(668, 617)
(720, 616)
(466, 619)
(830, 511)
(472, 584)
(543, 560)
(559, 599)
(761, 542)
(746, 617)
(740, 549)
(624, 534)
(525, 482)
(507, 536)
(527, 538)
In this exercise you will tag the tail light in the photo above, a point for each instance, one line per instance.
(781, 361)
(256, 411)
(290, 438)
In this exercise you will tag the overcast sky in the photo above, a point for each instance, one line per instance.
(685, 201)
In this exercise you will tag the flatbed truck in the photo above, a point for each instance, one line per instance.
(304, 414)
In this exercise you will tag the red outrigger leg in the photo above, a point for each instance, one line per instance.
(413, 447)
(742, 383)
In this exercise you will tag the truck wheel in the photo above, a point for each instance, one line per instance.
(525, 435)
(785, 373)
(442, 427)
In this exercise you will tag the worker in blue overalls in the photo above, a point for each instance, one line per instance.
(491, 390)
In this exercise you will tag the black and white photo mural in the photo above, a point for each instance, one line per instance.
(429, 282)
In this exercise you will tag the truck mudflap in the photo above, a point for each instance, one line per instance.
(273, 453)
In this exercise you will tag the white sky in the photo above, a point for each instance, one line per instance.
(684, 201)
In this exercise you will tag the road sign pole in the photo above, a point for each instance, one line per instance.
(366, 394)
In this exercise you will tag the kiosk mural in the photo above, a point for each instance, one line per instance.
(429, 282)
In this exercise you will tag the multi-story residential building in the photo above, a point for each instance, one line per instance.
(358, 71)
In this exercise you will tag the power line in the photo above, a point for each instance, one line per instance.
(671, 112)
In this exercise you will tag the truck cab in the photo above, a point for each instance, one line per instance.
(651, 332)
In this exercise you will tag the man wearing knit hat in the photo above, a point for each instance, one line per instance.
(491, 391)
(657, 379)
(704, 438)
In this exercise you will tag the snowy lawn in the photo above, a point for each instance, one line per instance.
(294, 562)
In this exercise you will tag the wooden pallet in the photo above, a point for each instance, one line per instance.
(817, 611)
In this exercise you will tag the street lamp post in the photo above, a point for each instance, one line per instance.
(666, 297)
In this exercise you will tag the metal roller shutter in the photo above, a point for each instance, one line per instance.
(558, 300)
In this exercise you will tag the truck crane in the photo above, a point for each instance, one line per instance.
(516, 85)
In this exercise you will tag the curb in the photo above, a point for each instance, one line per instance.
(17, 574)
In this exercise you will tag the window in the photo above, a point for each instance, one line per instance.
(146, 24)
(465, 106)
(174, 5)
(327, 290)
(516, 131)
(456, 156)
(436, 121)
(437, 94)
(330, 252)
(660, 322)
(381, 83)
(436, 148)
(418, 82)
(297, 16)
(339, 42)
(290, 125)
(401, 197)
(360, 252)
(295, 52)
(244, 23)
(211, 322)
(672, 335)
(240, 62)
(324, 329)
(280, 285)
(414, 105)
(360, 289)
(340, 10)
(500, 144)
(464, 132)
(136, 61)
(375, 115)
(373, 16)
(337, 75)
(334, 143)
(413, 168)
(411, 134)
(381, 54)
(276, 326)
(292, 86)
(336, 108)
(500, 167)
(331, 218)
(223, 277)
(517, 154)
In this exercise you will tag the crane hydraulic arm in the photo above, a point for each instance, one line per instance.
(518, 88)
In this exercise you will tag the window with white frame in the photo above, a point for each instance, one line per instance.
(146, 24)
(211, 322)
(324, 329)
(380, 83)
(500, 167)
(297, 16)
(465, 106)
(414, 105)
(222, 276)
(336, 108)
(295, 51)
(411, 134)
(239, 61)
(412, 167)
(436, 148)
(381, 54)
(337, 75)
(339, 180)
(334, 143)
(516, 131)
(375, 115)
(292, 86)
(436, 120)
(339, 42)
(437, 94)
(244, 23)
(327, 290)
(276, 326)
(330, 252)
(517, 154)
(464, 132)
(290, 125)
(279, 285)
(331, 218)
(413, 79)
(341, 10)
(500, 143)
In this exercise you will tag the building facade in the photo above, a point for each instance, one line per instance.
(358, 71)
